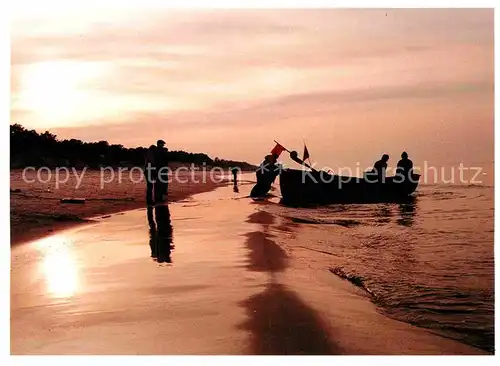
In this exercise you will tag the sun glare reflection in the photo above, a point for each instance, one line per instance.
(59, 266)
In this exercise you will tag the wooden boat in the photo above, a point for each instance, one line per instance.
(305, 188)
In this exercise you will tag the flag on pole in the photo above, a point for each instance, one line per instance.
(306, 153)
(277, 150)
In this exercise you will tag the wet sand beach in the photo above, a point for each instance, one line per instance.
(36, 209)
(233, 286)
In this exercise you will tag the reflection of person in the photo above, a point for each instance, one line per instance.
(152, 231)
(160, 233)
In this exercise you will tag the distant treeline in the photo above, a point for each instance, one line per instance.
(29, 148)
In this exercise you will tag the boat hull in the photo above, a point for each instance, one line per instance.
(305, 188)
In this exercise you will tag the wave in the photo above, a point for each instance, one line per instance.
(442, 195)
(354, 279)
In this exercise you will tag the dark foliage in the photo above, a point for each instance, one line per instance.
(29, 148)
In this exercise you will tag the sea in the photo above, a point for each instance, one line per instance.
(428, 262)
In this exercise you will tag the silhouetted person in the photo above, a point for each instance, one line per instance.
(268, 170)
(234, 171)
(380, 167)
(405, 167)
(161, 165)
(266, 174)
(150, 174)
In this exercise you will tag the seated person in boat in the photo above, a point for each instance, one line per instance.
(377, 174)
(404, 168)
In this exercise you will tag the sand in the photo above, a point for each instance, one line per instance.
(232, 288)
(36, 209)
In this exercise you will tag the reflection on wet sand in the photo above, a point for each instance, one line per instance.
(151, 218)
(235, 186)
(59, 267)
(265, 254)
(160, 233)
(276, 304)
(280, 322)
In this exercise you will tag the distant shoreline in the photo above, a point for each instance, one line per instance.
(173, 165)
(30, 148)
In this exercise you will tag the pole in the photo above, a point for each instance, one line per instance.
(282, 146)
(297, 159)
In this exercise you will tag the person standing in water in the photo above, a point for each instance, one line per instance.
(150, 174)
(161, 165)
(234, 171)
(160, 228)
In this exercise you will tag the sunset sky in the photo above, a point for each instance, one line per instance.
(352, 83)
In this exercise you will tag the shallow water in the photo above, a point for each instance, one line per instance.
(71, 290)
(429, 262)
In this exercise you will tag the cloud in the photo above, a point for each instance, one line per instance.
(179, 71)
